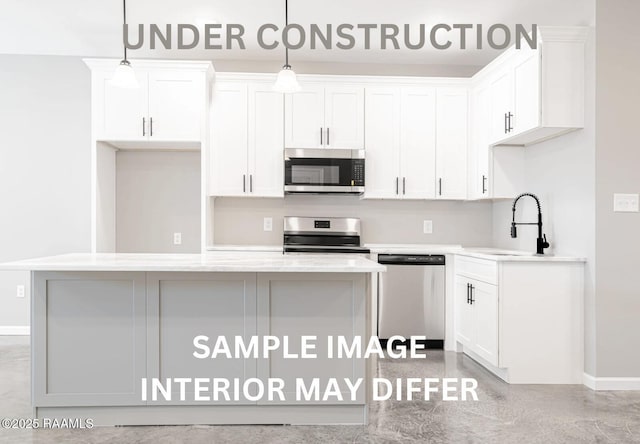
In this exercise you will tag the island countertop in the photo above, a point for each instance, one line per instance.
(227, 261)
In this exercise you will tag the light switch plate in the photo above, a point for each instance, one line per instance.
(177, 238)
(625, 203)
(427, 227)
(268, 224)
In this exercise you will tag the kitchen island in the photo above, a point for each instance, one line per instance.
(105, 325)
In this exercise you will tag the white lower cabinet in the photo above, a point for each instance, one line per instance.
(521, 319)
(477, 320)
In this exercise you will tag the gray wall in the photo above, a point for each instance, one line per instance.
(44, 166)
(561, 172)
(617, 171)
(157, 194)
(240, 220)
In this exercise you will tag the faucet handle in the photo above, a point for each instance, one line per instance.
(545, 244)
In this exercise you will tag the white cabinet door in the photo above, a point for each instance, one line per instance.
(229, 140)
(344, 117)
(479, 143)
(123, 111)
(176, 105)
(266, 141)
(464, 312)
(526, 79)
(485, 311)
(383, 143)
(418, 143)
(451, 143)
(501, 103)
(304, 118)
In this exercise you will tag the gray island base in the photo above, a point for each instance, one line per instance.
(102, 323)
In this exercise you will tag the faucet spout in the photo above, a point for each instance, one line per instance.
(541, 242)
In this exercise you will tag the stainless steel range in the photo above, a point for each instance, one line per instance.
(322, 235)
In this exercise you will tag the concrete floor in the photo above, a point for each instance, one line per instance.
(504, 414)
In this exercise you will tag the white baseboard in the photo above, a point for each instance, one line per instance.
(610, 383)
(21, 330)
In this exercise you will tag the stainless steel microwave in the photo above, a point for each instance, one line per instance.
(323, 171)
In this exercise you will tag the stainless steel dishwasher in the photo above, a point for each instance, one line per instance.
(411, 297)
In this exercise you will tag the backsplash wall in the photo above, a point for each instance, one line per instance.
(240, 220)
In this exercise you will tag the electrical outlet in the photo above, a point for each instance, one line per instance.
(177, 238)
(268, 224)
(427, 227)
(625, 203)
(20, 291)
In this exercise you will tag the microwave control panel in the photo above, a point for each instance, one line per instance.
(358, 173)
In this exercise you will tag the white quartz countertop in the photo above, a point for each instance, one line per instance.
(262, 248)
(228, 261)
(413, 248)
(494, 254)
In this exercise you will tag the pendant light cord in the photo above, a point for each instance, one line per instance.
(124, 17)
(286, 24)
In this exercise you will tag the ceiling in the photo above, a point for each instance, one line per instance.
(93, 27)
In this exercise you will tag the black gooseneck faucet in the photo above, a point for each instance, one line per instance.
(541, 243)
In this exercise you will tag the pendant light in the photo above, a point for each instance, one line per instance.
(124, 75)
(287, 81)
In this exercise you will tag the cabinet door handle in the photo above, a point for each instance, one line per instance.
(468, 292)
(440, 186)
(144, 123)
(150, 126)
(328, 143)
(484, 182)
(396, 185)
(404, 185)
(472, 290)
(506, 124)
(244, 183)
(320, 135)
(510, 127)
(251, 183)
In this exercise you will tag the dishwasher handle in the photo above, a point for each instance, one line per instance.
(411, 259)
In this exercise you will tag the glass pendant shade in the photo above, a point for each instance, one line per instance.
(287, 82)
(124, 76)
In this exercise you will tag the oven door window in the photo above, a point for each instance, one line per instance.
(331, 172)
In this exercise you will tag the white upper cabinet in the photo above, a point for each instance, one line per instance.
(228, 157)
(325, 116)
(266, 141)
(382, 125)
(170, 104)
(501, 103)
(121, 113)
(344, 117)
(418, 142)
(538, 94)
(451, 143)
(479, 180)
(176, 101)
(400, 142)
(304, 118)
(494, 172)
(246, 153)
